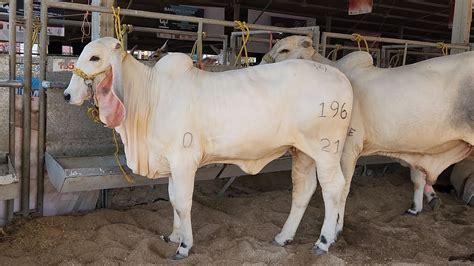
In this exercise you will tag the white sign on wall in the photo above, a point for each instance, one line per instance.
(5, 26)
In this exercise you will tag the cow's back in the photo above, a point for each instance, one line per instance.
(417, 106)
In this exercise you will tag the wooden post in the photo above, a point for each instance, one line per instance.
(102, 24)
(461, 23)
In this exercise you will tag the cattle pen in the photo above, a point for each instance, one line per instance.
(46, 174)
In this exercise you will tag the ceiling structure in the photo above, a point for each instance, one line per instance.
(408, 19)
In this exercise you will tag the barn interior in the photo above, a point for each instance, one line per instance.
(61, 176)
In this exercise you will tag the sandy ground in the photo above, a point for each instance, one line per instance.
(239, 227)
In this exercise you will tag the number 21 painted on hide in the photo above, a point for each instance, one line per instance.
(328, 146)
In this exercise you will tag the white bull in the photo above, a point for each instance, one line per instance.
(420, 114)
(174, 118)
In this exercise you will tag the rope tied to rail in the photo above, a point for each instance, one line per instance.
(36, 29)
(444, 47)
(195, 52)
(333, 52)
(119, 30)
(245, 38)
(395, 59)
(359, 38)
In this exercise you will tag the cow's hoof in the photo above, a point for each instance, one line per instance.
(171, 238)
(412, 212)
(276, 243)
(165, 238)
(179, 256)
(318, 251)
(435, 203)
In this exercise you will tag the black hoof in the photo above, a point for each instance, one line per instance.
(318, 252)
(435, 203)
(275, 243)
(179, 256)
(412, 212)
(165, 238)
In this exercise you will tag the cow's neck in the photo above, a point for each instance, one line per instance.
(138, 92)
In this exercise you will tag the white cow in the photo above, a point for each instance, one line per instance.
(420, 114)
(174, 118)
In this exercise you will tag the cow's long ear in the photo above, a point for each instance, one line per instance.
(116, 64)
(111, 108)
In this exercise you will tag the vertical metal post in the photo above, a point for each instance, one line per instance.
(42, 106)
(27, 62)
(383, 59)
(405, 54)
(225, 50)
(11, 101)
(461, 23)
(315, 37)
(199, 42)
(323, 43)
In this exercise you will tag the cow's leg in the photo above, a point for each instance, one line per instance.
(182, 176)
(348, 164)
(303, 174)
(332, 184)
(175, 234)
(351, 152)
(433, 200)
(419, 181)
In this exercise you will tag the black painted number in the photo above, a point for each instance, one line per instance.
(328, 146)
(336, 109)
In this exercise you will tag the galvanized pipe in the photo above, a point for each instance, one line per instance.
(42, 107)
(12, 84)
(26, 137)
(11, 96)
(199, 42)
(12, 76)
(405, 54)
(391, 40)
(154, 15)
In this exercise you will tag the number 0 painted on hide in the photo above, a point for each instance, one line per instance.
(336, 108)
(328, 146)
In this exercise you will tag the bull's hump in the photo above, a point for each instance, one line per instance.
(175, 63)
(358, 59)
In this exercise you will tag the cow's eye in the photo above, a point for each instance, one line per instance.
(94, 58)
(284, 51)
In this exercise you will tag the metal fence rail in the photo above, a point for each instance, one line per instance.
(327, 35)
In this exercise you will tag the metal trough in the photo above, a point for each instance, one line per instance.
(69, 174)
(9, 185)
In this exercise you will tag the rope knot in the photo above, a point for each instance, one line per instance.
(444, 47)
(359, 38)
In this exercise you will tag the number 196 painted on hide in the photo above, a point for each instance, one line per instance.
(336, 109)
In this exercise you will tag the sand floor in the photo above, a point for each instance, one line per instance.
(239, 227)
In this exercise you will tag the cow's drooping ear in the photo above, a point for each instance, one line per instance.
(306, 42)
(116, 64)
(111, 108)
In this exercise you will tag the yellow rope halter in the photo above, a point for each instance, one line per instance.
(444, 47)
(358, 38)
(246, 36)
